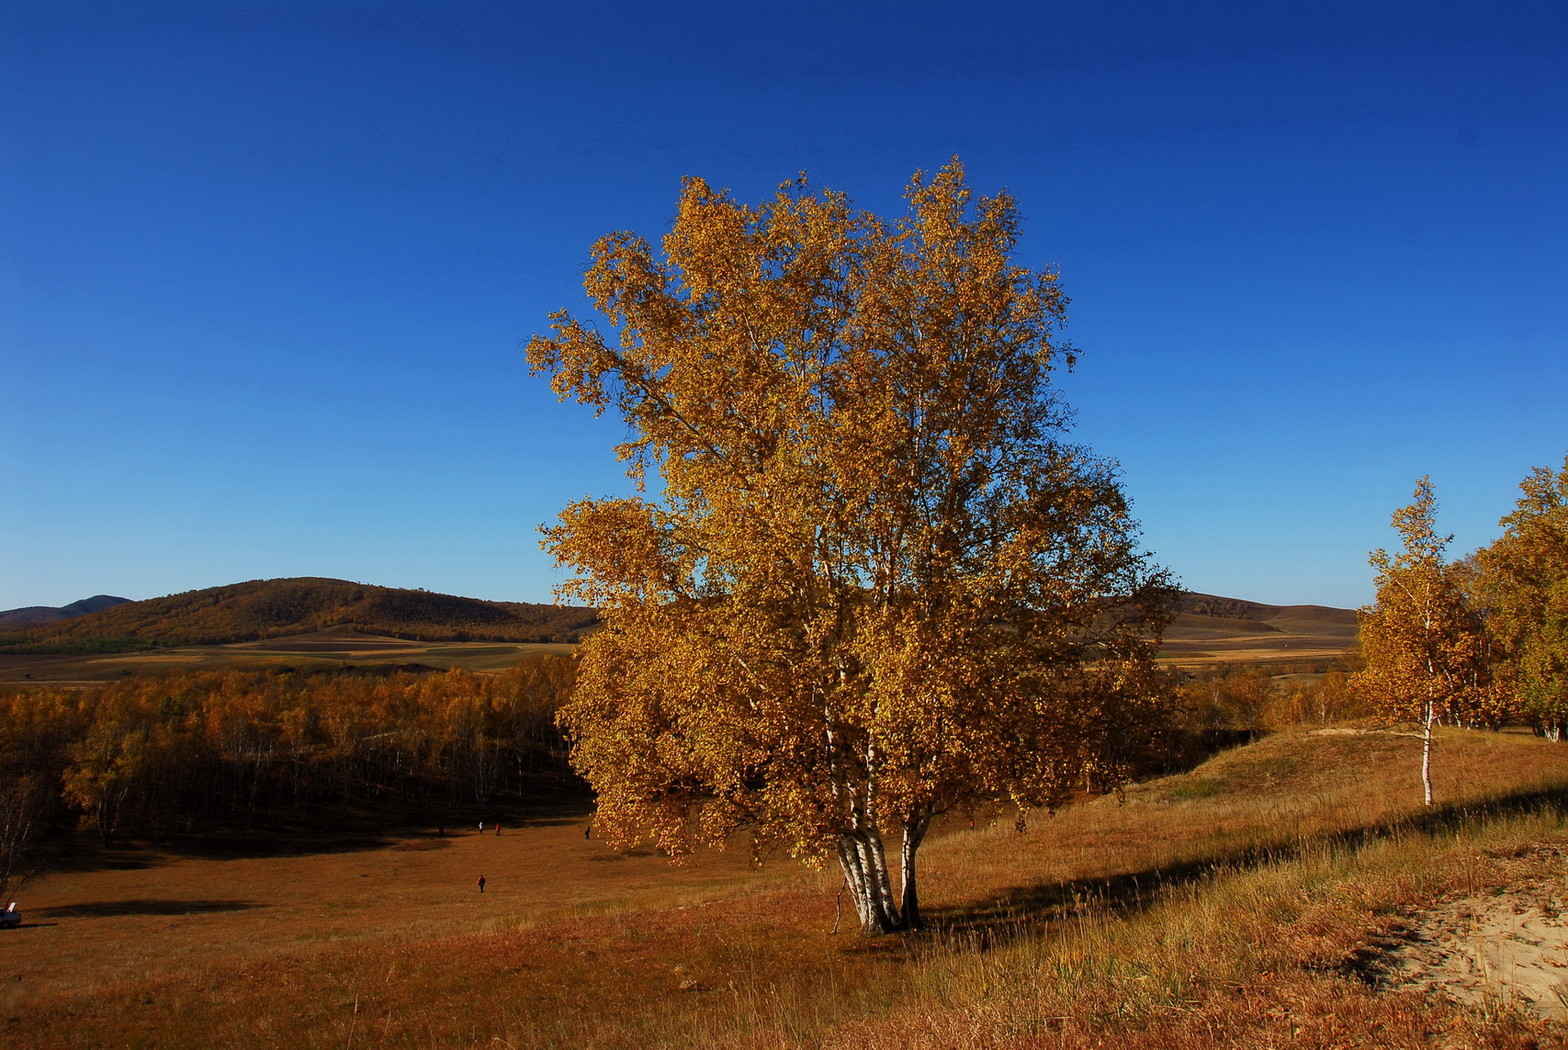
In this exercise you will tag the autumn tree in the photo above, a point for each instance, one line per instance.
(874, 582)
(1523, 577)
(1424, 647)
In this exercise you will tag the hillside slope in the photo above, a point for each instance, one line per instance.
(1210, 628)
(1232, 907)
(271, 608)
(38, 615)
(1206, 627)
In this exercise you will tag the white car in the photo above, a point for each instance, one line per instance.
(10, 917)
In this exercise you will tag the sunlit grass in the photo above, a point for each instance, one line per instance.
(1216, 908)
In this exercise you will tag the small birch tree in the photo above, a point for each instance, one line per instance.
(1424, 648)
(876, 583)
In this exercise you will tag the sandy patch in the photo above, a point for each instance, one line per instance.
(1511, 947)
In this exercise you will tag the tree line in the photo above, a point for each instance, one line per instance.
(184, 753)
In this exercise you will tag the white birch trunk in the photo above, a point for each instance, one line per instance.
(1426, 753)
(865, 874)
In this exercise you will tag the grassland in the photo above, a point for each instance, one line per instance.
(1286, 638)
(1219, 632)
(1236, 905)
(308, 651)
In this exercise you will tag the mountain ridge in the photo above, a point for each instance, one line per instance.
(256, 610)
(38, 615)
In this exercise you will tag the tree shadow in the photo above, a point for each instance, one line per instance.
(626, 854)
(325, 832)
(107, 909)
(1019, 911)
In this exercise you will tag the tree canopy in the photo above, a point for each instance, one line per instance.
(873, 580)
(1524, 581)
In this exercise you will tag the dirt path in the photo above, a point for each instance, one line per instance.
(1510, 947)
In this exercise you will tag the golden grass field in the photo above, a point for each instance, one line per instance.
(313, 651)
(1293, 635)
(1233, 906)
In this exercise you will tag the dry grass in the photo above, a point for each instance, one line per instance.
(322, 650)
(1227, 907)
(1289, 635)
(1288, 638)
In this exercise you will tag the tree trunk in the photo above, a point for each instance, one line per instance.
(909, 907)
(865, 875)
(1426, 754)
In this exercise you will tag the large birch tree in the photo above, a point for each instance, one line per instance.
(873, 581)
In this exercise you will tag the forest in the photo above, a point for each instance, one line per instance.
(188, 754)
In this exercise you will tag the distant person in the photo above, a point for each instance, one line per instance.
(588, 830)
(481, 884)
(481, 827)
(498, 829)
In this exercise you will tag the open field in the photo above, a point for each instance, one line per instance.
(1289, 634)
(1242, 904)
(1193, 640)
(316, 650)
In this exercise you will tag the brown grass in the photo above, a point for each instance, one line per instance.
(1227, 907)
(1268, 636)
(322, 650)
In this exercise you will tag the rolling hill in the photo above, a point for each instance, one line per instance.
(38, 615)
(1212, 629)
(1198, 608)
(1207, 627)
(260, 609)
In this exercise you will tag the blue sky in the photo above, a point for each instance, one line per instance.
(268, 270)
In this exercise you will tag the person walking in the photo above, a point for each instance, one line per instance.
(481, 884)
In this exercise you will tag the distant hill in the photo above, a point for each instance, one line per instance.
(37, 615)
(258, 609)
(1210, 629)
(263, 609)
(1202, 609)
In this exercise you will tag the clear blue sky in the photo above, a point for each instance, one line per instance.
(267, 268)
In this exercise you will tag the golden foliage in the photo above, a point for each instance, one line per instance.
(169, 753)
(1424, 646)
(875, 582)
(1523, 582)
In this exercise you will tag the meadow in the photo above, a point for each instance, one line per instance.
(1244, 903)
(1288, 638)
(317, 650)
